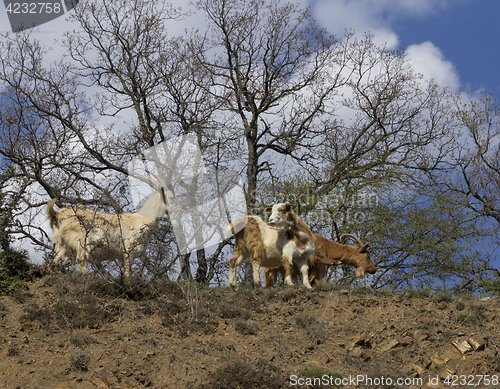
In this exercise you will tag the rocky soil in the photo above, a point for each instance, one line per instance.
(79, 332)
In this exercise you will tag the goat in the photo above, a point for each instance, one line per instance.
(326, 254)
(100, 236)
(284, 242)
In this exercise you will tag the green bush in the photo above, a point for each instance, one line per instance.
(14, 267)
(10, 284)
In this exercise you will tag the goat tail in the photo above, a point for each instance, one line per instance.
(236, 226)
(52, 214)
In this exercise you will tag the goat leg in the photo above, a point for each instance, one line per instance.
(288, 270)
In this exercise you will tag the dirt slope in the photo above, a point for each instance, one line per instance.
(83, 333)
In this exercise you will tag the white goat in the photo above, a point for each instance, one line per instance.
(96, 236)
(286, 241)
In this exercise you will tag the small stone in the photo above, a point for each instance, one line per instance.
(445, 372)
(406, 341)
(451, 353)
(419, 369)
(356, 352)
(437, 360)
(462, 346)
(389, 344)
(359, 341)
(476, 343)
(426, 362)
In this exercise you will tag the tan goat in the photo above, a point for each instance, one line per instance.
(96, 236)
(328, 253)
(285, 242)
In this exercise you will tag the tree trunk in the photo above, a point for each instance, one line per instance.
(185, 273)
(201, 272)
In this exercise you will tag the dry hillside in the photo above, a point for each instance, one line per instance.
(79, 332)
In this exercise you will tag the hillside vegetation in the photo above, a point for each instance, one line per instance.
(71, 331)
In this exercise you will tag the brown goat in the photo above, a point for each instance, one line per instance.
(285, 242)
(328, 253)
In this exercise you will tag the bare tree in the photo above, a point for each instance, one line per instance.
(262, 57)
(48, 130)
(471, 172)
(334, 109)
(121, 62)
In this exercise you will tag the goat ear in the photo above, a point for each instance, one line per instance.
(365, 247)
(268, 209)
(288, 207)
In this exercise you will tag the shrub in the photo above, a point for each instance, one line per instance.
(13, 268)
(80, 360)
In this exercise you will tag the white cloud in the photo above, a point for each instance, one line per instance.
(377, 17)
(428, 59)
(359, 15)
(373, 16)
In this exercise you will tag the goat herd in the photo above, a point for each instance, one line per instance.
(285, 245)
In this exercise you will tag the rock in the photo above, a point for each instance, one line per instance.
(389, 344)
(476, 343)
(107, 376)
(462, 345)
(445, 371)
(451, 353)
(420, 370)
(356, 352)
(426, 362)
(359, 342)
(420, 336)
(99, 384)
(406, 341)
(437, 360)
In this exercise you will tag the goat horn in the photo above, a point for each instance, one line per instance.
(155, 182)
(354, 237)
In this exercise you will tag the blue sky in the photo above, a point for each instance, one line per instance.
(467, 35)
